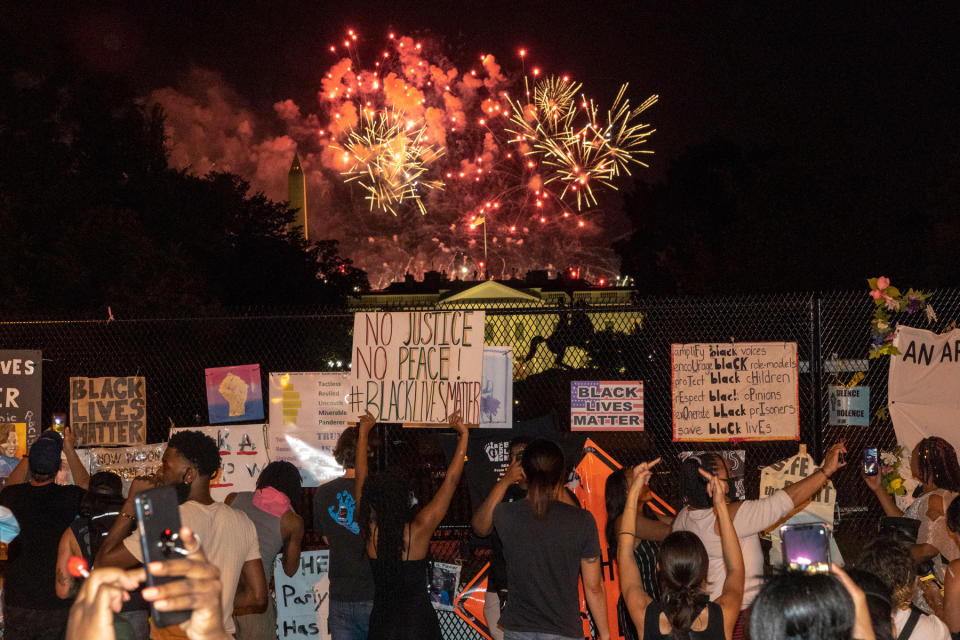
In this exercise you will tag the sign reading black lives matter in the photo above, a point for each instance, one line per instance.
(735, 391)
(417, 368)
(20, 394)
(108, 411)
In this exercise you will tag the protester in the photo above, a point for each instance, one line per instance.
(334, 518)
(801, 606)
(547, 545)
(683, 610)
(890, 560)
(749, 517)
(43, 509)
(510, 488)
(81, 477)
(878, 602)
(190, 460)
(99, 508)
(397, 543)
(199, 590)
(651, 529)
(274, 510)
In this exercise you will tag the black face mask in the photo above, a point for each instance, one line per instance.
(183, 490)
(732, 491)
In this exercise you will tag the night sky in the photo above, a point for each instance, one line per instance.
(861, 97)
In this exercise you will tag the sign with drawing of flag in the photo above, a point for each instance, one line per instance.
(613, 405)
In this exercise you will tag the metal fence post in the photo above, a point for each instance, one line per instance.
(816, 374)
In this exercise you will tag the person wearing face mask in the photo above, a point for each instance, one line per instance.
(749, 516)
(227, 534)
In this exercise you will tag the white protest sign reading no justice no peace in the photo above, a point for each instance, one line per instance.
(243, 455)
(417, 367)
(924, 386)
(735, 391)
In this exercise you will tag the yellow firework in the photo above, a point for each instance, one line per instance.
(386, 155)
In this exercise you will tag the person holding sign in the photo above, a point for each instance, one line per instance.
(684, 608)
(397, 544)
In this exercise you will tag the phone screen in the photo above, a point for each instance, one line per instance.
(158, 520)
(806, 547)
(870, 466)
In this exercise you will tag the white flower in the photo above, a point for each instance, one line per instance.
(931, 314)
(888, 458)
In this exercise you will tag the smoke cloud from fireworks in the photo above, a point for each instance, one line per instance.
(414, 164)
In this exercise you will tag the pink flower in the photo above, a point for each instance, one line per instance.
(883, 283)
(875, 294)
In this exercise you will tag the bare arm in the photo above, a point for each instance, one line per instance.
(889, 505)
(81, 477)
(595, 594)
(802, 491)
(951, 596)
(251, 590)
(731, 598)
(66, 585)
(291, 528)
(430, 516)
(19, 473)
(483, 517)
(360, 461)
(631, 586)
(112, 553)
(648, 529)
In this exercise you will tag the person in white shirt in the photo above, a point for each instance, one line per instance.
(228, 536)
(749, 517)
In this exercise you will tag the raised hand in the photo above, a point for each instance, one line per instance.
(69, 439)
(456, 423)
(514, 473)
(640, 475)
(366, 423)
(832, 462)
(101, 595)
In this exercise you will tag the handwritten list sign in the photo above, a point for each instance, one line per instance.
(418, 367)
(735, 391)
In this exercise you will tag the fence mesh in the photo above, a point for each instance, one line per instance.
(552, 347)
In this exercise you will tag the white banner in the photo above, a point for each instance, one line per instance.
(417, 367)
(924, 386)
(735, 391)
(308, 412)
(303, 600)
(243, 455)
(126, 462)
(496, 397)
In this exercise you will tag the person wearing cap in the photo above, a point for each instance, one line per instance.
(43, 509)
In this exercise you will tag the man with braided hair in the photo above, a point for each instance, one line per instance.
(228, 536)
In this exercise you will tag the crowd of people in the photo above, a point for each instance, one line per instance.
(698, 575)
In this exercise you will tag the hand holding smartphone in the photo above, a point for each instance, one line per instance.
(158, 521)
(870, 464)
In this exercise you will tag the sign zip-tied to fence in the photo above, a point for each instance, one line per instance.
(417, 368)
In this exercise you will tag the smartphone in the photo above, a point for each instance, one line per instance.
(806, 547)
(870, 466)
(59, 422)
(158, 520)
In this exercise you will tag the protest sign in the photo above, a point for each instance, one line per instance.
(243, 455)
(735, 391)
(303, 600)
(849, 405)
(924, 386)
(20, 397)
(417, 367)
(442, 586)
(308, 412)
(126, 462)
(496, 395)
(108, 411)
(736, 460)
(234, 394)
(606, 405)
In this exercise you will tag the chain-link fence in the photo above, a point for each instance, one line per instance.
(552, 345)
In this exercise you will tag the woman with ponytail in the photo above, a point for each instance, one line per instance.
(398, 542)
(548, 544)
(684, 610)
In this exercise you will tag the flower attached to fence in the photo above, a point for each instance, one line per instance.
(890, 463)
(888, 300)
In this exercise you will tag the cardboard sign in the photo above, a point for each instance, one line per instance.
(234, 394)
(303, 600)
(735, 391)
(849, 405)
(924, 386)
(243, 455)
(126, 462)
(496, 394)
(417, 367)
(308, 412)
(20, 397)
(606, 406)
(108, 411)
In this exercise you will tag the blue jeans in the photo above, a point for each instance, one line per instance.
(349, 620)
(534, 635)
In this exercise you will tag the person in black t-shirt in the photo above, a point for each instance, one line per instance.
(44, 509)
(512, 486)
(351, 582)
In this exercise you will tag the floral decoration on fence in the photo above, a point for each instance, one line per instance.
(888, 301)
